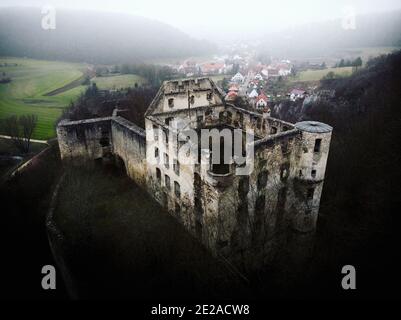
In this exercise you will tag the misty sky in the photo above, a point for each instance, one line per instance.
(233, 18)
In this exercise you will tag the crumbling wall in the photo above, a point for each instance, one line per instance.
(84, 139)
(97, 138)
(129, 143)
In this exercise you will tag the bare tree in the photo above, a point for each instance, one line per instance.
(28, 125)
(20, 130)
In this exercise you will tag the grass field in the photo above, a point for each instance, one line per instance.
(31, 80)
(316, 75)
(118, 82)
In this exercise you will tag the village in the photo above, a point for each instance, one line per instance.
(248, 81)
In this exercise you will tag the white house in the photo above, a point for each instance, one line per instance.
(261, 101)
(238, 78)
(258, 77)
(284, 72)
(265, 73)
(253, 94)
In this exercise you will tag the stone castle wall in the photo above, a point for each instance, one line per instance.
(129, 143)
(102, 137)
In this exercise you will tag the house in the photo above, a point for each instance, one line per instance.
(188, 68)
(231, 96)
(284, 70)
(228, 68)
(238, 78)
(254, 94)
(296, 94)
(273, 72)
(261, 101)
(212, 68)
(265, 73)
(258, 77)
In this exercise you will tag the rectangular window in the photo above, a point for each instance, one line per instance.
(156, 133)
(176, 167)
(273, 130)
(166, 161)
(318, 142)
(165, 132)
(177, 189)
(313, 173)
(171, 103)
(159, 175)
(156, 153)
(167, 182)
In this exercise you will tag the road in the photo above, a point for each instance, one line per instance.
(32, 140)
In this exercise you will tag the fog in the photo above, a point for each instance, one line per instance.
(228, 19)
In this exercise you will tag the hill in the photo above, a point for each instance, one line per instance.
(326, 38)
(93, 37)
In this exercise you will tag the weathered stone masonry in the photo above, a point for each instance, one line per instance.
(230, 214)
(99, 138)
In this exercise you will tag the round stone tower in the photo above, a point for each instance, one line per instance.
(311, 167)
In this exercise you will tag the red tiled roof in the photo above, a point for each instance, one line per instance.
(211, 66)
(232, 93)
(262, 96)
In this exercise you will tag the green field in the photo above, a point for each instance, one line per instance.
(26, 94)
(33, 79)
(118, 81)
(316, 75)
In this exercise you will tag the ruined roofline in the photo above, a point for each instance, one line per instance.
(153, 104)
(199, 79)
(66, 122)
(157, 121)
(178, 111)
(129, 125)
(174, 93)
(276, 137)
(162, 92)
(256, 114)
(118, 119)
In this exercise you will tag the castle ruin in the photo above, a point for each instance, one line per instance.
(229, 213)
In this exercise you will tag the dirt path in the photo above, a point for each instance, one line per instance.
(32, 140)
(77, 82)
